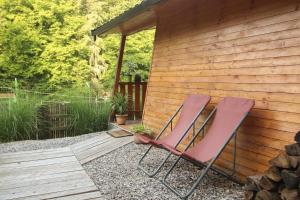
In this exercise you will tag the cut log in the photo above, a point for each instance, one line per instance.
(293, 149)
(298, 171)
(297, 137)
(273, 173)
(299, 191)
(250, 195)
(281, 161)
(287, 194)
(294, 161)
(252, 183)
(281, 187)
(266, 195)
(267, 184)
(290, 179)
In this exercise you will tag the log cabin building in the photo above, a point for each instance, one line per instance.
(239, 48)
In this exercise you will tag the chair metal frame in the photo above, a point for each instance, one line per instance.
(170, 122)
(206, 166)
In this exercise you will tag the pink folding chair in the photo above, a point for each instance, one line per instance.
(228, 116)
(190, 111)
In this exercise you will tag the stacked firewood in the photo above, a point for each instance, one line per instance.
(281, 180)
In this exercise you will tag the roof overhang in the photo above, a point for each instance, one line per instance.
(140, 17)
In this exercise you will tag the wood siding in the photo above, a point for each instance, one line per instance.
(241, 48)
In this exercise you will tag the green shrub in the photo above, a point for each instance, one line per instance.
(141, 129)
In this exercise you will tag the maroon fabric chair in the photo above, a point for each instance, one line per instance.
(228, 116)
(190, 111)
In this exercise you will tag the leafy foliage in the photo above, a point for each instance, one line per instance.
(142, 129)
(119, 104)
(47, 44)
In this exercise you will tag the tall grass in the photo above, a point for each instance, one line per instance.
(18, 119)
(89, 116)
(19, 116)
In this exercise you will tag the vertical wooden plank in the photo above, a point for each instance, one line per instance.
(144, 89)
(137, 100)
(130, 102)
(119, 64)
(122, 88)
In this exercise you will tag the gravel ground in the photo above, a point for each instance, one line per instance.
(117, 177)
(28, 145)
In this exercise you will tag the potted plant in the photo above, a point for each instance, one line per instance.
(119, 106)
(142, 134)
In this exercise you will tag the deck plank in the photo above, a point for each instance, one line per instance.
(41, 174)
(62, 194)
(102, 150)
(96, 147)
(54, 173)
(83, 196)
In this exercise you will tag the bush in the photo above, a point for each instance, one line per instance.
(119, 104)
(141, 129)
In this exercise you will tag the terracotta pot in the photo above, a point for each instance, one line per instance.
(121, 119)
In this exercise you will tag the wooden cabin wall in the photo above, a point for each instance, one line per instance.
(240, 48)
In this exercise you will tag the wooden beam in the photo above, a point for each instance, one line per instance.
(119, 64)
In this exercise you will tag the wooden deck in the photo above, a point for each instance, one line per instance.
(98, 146)
(54, 173)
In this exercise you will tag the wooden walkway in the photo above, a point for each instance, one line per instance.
(54, 173)
(98, 146)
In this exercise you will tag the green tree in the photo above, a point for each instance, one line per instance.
(43, 43)
(47, 44)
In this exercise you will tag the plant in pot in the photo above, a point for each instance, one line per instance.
(142, 134)
(119, 106)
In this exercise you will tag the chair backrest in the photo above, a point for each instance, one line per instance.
(192, 105)
(229, 115)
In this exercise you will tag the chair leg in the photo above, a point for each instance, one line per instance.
(195, 185)
(156, 170)
(234, 157)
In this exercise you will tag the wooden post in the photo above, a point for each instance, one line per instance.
(137, 100)
(144, 89)
(122, 88)
(130, 100)
(119, 64)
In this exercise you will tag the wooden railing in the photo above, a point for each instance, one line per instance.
(136, 93)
